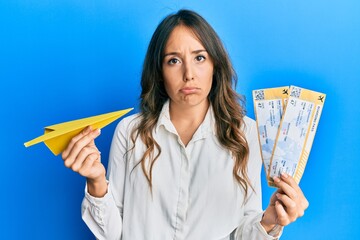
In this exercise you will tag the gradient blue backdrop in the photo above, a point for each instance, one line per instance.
(67, 59)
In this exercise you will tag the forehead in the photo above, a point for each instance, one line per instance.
(181, 37)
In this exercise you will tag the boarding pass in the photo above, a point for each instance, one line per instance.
(269, 105)
(295, 133)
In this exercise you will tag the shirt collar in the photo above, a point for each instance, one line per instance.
(164, 119)
(206, 127)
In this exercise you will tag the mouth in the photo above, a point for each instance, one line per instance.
(189, 90)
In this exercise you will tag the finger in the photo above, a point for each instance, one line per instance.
(79, 145)
(83, 154)
(273, 199)
(290, 206)
(305, 204)
(279, 190)
(286, 188)
(67, 150)
(290, 180)
(282, 217)
(87, 165)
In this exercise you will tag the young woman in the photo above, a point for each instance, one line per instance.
(188, 165)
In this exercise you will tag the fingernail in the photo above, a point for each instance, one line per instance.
(284, 175)
(276, 179)
(278, 195)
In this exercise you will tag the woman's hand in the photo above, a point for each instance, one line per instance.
(83, 157)
(286, 205)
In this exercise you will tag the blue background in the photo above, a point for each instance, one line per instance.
(68, 59)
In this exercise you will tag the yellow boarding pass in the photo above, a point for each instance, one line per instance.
(269, 105)
(296, 133)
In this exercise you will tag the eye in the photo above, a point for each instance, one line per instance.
(173, 61)
(200, 58)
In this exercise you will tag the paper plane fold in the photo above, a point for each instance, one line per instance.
(58, 136)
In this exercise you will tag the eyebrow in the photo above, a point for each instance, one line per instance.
(177, 53)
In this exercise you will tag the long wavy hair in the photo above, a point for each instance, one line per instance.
(227, 104)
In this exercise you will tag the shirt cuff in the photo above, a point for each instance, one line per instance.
(274, 234)
(95, 200)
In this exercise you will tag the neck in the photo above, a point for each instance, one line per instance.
(194, 114)
(187, 119)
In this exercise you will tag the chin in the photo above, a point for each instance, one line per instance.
(194, 101)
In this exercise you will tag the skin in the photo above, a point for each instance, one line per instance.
(187, 74)
(83, 157)
(286, 205)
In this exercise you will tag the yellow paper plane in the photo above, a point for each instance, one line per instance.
(58, 136)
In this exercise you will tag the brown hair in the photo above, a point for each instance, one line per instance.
(226, 103)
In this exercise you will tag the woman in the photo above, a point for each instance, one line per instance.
(188, 165)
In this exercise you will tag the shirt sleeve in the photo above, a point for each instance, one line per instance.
(250, 227)
(103, 215)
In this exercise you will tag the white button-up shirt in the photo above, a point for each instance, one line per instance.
(194, 194)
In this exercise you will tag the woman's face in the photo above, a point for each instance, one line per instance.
(187, 69)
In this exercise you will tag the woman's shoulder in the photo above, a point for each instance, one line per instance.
(128, 123)
(130, 119)
(249, 127)
(248, 123)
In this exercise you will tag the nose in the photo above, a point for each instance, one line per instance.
(188, 71)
